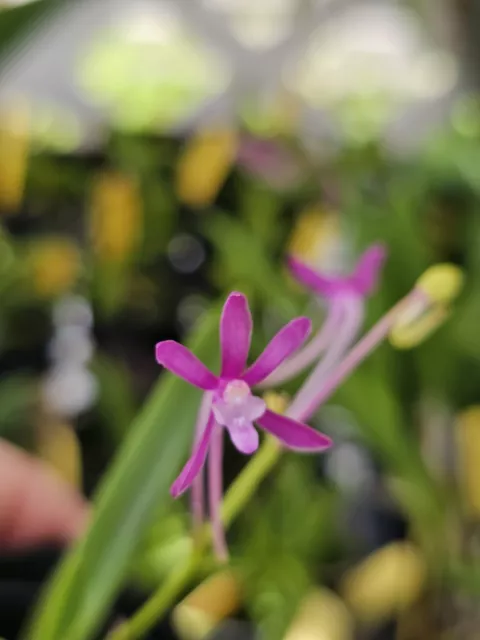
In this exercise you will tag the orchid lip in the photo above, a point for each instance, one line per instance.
(236, 405)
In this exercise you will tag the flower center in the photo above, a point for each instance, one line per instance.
(236, 392)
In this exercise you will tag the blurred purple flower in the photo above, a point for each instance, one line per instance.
(229, 402)
(344, 297)
(361, 282)
(270, 161)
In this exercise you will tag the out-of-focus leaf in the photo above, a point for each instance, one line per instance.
(15, 23)
(166, 545)
(116, 402)
(261, 208)
(18, 394)
(244, 259)
(78, 598)
(381, 420)
(160, 218)
(110, 286)
(278, 553)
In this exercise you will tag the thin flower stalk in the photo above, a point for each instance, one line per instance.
(312, 351)
(346, 333)
(355, 356)
(197, 493)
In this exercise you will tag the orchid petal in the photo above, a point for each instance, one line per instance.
(195, 463)
(181, 361)
(235, 335)
(286, 342)
(293, 434)
(244, 437)
(368, 269)
(310, 278)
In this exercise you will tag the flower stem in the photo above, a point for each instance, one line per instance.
(351, 361)
(235, 499)
(161, 600)
(215, 486)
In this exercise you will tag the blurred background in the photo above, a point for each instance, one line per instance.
(154, 156)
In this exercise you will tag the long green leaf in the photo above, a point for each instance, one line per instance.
(82, 591)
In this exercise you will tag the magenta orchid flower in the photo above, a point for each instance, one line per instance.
(362, 282)
(229, 403)
(344, 297)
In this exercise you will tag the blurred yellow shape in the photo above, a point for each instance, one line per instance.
(442, 282)
(322, 616)
(314, 231)
(436, 289)
(205, 607)
(277, 402)
(58, 446)
(467, 434)
(14, 150)
(116, 215)
(54, 265)
(272, 119)
(387, 582)
(204, 166)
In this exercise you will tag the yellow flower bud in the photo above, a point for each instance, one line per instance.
(386, 583)
(427, 311)
(322, 616)
(467, 434)
(277, 402)
(58, 446)
(116, 216)
(315, 230)
(54, 266)
(442, 282)
(215, 599)
(204, 166)
(14, 149)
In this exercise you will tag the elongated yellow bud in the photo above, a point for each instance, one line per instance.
(54, 265)
(204, 608)
(315, 231)
(442, 282)
(322, 616)
(467, 434)
(436, 288)
(204, 166)
(387, 582)
(116, 216)
(14, 149)
(58, 445)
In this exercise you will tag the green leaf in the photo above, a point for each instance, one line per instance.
(244, 259)
(116, 402)
(83, 589)
(279, 556)
(17, 399)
